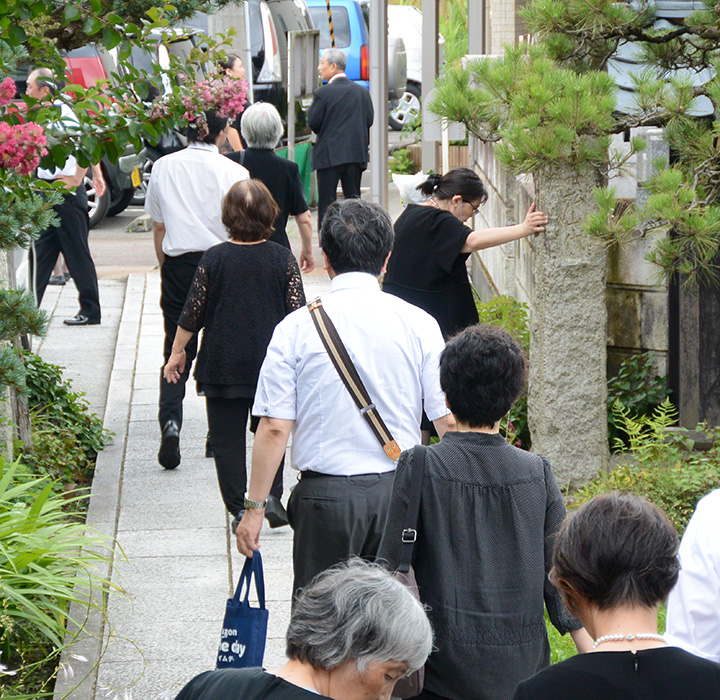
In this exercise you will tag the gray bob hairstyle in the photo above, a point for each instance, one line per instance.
(358, 612)
(336, 56)
(261, 126)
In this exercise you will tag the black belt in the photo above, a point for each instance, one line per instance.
(310, 474)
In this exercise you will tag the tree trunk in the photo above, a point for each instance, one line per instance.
(567, 391)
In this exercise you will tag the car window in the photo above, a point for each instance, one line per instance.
(257, 37)
(341, 26)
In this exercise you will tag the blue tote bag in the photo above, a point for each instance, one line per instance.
(242, 640)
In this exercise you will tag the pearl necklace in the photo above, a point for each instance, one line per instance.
(629, 637)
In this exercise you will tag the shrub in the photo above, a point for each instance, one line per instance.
(638, 388)
(658, 464)
(44, 552)
(67, 436)
(401, 163)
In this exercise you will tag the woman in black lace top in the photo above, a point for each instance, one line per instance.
(242, 289)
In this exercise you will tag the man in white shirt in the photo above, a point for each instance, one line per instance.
(70, 236)
(184, 199)
(693, 611)
(341, 502)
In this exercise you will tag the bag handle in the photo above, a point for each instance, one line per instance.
(409, 533)
(253, 565)
(350, 378)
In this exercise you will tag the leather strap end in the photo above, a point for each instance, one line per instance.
(392, 449)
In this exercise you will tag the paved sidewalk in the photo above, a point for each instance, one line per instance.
(175, 558)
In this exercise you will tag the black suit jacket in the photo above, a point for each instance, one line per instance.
(341, 115)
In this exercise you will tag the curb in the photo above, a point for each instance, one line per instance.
(105, 500)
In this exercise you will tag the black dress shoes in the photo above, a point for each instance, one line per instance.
(275, 512)
(169, 453)
(81, 320)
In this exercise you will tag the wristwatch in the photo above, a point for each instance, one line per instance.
(254, 504)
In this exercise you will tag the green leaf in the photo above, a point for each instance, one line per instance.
(71, 12)
(92, 25)
(111, 37)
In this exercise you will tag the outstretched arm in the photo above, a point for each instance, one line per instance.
(534, 223)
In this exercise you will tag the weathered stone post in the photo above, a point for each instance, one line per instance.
(567, 392)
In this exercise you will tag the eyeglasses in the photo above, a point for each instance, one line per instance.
(475, 210)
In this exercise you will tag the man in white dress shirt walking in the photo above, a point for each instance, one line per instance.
(693, 611)
(184, 199)
(341, 502)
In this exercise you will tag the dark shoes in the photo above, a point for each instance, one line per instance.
(275, 512)
(81, 320)
(59, 280)
(169, 453)
(236, 521)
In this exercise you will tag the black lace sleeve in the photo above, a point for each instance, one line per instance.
(294, 292)
(193, 314)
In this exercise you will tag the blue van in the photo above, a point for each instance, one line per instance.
(351, 34)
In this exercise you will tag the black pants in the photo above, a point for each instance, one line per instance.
(69, 237)
(176, 275)
(335, 517)
(227, 421)
(348, 174)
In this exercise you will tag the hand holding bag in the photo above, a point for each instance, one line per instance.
(242, 640)
(411, 685)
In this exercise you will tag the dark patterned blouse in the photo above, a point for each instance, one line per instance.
(488, 516)
(238, 295)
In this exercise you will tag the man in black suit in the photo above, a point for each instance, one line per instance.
(341, 115)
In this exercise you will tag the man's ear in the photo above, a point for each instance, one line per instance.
(384, 267)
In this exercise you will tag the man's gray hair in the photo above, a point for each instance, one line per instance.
(261, 126)
(358, 612)
(336, 56)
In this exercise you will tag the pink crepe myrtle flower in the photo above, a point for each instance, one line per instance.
(7, 91)
(21, 146)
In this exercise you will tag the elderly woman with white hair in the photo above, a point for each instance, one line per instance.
(354, 632)
(261, 129)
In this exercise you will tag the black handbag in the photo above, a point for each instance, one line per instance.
(411, 685)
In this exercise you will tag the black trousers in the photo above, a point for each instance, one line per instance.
(227, 421)
(335, 517)
(348, 174)
(176, 276)
(69, 237)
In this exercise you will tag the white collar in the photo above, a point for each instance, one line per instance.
(337, 75)
(354, 280)
(204, 146)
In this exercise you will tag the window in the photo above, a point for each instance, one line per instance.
(341, 26)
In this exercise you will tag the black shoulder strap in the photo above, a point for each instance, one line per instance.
(409, 533)
(350, 377)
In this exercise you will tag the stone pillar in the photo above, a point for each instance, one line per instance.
(567, 392)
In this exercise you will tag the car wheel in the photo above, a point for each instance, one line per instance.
(97, 206)
(408, 108)
(126, 196)
(139, 197)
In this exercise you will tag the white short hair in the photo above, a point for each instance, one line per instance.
(261, 126)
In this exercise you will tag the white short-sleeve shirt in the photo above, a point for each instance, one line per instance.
(693, 611)
(185, 193)
(395, 348)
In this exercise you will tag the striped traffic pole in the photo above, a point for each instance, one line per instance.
(332, 31)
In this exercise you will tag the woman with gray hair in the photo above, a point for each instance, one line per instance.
(354, 632)
(262, 128)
